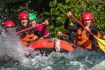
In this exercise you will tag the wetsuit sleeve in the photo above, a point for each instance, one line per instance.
(70, 27)
(94, 30)
(40, 33)
(66, 24)
(21, 34)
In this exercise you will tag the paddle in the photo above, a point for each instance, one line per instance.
(27, 29)
(101, 42)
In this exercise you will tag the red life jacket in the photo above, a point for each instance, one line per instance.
(40, 28)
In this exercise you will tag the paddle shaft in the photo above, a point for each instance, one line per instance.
(27, 29)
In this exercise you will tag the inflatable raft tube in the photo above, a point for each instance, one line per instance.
(50, 43)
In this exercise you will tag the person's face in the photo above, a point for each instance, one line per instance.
(24, 22)
(33, 23)
(87, 22)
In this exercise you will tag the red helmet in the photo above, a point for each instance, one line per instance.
(87, 15)
(23, 15)
(9, 23)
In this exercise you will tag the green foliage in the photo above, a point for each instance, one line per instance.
(58, 9)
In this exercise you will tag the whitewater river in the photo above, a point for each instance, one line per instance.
(12, 57)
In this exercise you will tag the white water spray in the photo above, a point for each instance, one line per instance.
(10, 46)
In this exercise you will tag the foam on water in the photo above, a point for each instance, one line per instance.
(100, 66)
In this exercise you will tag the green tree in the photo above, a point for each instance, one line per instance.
(58, 9)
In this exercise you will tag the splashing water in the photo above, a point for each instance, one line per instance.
(10, 46)
(12, 57)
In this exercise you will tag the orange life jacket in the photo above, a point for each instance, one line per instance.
(83, 40)
(28, 38)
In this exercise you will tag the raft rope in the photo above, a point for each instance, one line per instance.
(57, 44)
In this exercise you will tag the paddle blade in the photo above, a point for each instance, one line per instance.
(101, 43)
